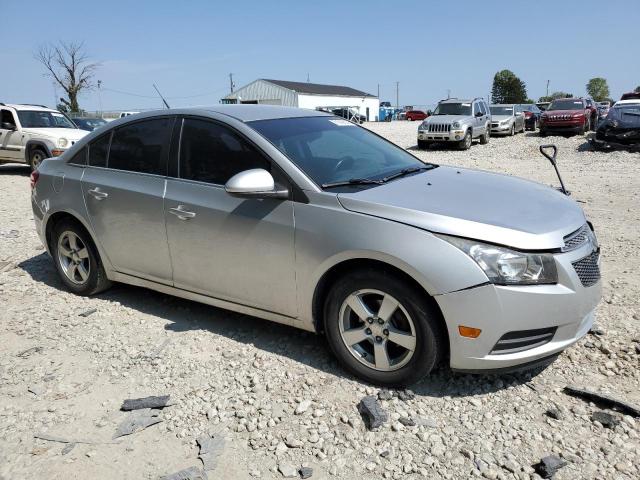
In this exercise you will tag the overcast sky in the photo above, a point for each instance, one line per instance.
(188, 48)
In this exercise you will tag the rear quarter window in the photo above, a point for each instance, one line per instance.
(99, 150)
(80, 158)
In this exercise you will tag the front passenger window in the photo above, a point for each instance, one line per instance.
(142, 146)
(212, 153)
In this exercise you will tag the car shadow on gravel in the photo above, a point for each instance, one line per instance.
(299, 345)
(15, 169)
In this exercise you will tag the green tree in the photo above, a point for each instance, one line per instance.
(507, 88)
(70, 68)
(554, 95)
(597, 87)
(637, 90)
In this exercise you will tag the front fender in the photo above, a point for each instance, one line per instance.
(45, 144)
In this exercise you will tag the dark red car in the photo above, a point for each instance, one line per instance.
(415, 115)
(566, 115)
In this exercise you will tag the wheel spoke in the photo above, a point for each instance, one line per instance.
(358, 307)
(404, 339)
(73, 268)
(84, 274)
(387, 308)
(72, 241)
(381, 357)
(354, 336)
(83, 253)
(64, 251)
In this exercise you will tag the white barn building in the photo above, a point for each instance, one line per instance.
(306, 95)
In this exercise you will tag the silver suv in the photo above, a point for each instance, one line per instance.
(307, 219)
(458, 121)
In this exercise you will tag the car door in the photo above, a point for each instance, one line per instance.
(478, 120)
(236, 249)
(123, 186)
(11, 142)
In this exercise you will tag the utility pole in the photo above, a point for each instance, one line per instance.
(397, 95)
(448, 93)
(231, 85)
(308, 81)
(378, 91)
(547, 88)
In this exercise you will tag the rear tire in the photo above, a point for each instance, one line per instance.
(376, 358)
(543, 132)
(77, 259)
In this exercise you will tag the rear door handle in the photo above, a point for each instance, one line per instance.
(181, 213)
(97, 194)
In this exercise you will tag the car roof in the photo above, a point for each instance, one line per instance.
(459, 100)
(249, 113)
(631, 101)
(502, 105)
(26, 106)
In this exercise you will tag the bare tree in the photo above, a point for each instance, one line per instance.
(69, 66)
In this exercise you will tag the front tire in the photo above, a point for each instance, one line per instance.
(484, 139)
(382, 329)
(36, 157)
(465, 143)
(77, 260)
(423, 144)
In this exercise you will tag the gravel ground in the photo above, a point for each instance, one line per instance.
(273, 397)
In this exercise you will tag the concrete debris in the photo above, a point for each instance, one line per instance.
(606, 419)
(29, 351)
(67, 448)
(305, 472)
(86, 313)
(372, 413)
(548, 466)
(287, 470)
(146, 402)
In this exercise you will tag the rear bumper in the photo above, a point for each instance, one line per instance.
(567, 307)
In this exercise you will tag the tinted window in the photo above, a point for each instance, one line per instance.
(142, 146)
(98, 150)
(79, 158)
(566, 105)
(212, 153)
(453, 109)
(7, 117)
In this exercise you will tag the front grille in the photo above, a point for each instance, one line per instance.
(559, 117)
(576, 239)
(493, 125)
(439, 127)
(520, 340)
(587, 269)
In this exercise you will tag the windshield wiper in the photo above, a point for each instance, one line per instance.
(352, 181)
(407, 171)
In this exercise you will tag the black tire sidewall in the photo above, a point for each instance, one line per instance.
(32, 153)
(429, 346)
(91, 285)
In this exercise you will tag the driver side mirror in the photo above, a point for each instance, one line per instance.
(8, 126)
(254, 183)
(479, 114)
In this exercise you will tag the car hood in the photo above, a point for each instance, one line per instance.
(72, 134)
(485, 206)
(446, 118)
(500, 118)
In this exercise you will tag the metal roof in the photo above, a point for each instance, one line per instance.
(318, 88)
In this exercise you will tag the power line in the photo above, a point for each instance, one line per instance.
(122, 92)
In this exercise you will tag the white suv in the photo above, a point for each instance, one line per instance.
(31, 133)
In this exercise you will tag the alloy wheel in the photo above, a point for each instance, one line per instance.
(377, 330)
(73, 256)
(36, 159)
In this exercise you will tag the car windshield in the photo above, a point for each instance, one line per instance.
(566, 105)
(330, 149)
(92, 123)
(43, 119)
(500, 110)
(453, 109)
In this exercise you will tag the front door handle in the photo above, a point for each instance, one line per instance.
(181, 213)
(97, 194)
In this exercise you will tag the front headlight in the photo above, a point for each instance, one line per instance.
(62, 142)
(455, 124)
(504, 122)
(508, 267)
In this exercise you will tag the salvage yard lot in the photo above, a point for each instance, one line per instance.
(243, 379)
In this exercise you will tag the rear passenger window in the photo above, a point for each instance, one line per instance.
(98, 151)
(142, 146)
(212, 153)
(79, 158)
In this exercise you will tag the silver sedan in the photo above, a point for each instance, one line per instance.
(306, 219)
(506, 120)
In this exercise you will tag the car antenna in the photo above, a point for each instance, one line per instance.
(552, 159)
(165, 102)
